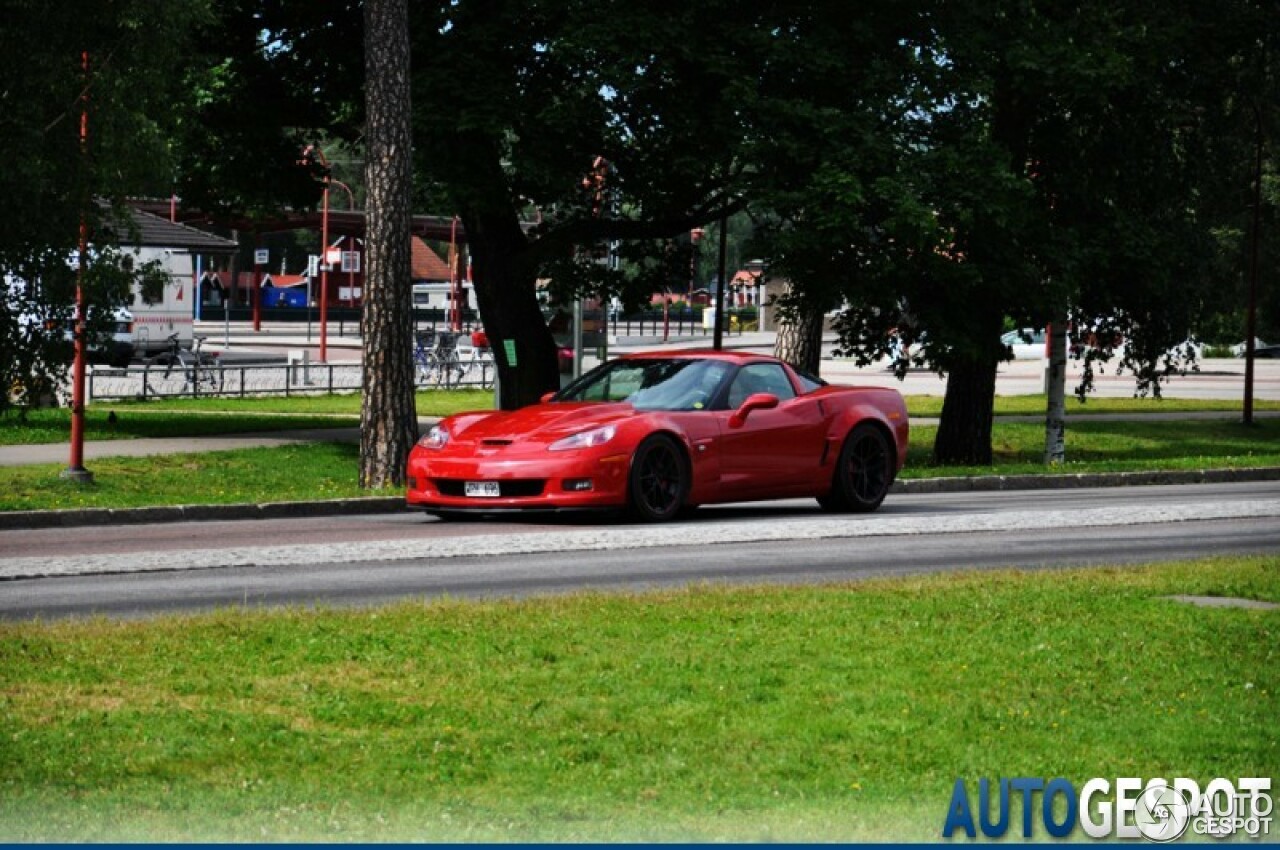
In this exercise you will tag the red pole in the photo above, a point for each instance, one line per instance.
(75, 469)
(455, 323)
(324, 276)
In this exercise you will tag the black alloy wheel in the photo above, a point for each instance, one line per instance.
(659, 479)
(863, 473)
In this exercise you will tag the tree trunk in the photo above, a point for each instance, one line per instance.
(799, 339)
(964, 433)
(1055, 421)
(388, 420)
(506, 293)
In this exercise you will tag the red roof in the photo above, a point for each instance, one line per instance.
(285, 279)
(425, 264)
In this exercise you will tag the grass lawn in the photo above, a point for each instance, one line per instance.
(212, 416)
(280, 474)
(842, 712)
(322, 470)
(1018, 448)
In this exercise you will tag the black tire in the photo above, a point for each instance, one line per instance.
(659, 479)
(863, 472)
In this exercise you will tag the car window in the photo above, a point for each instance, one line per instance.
(652, 384)
(760, 378)
(809, 383)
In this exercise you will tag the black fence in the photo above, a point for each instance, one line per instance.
(345, 321)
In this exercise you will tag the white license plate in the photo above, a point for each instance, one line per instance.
(482, 489)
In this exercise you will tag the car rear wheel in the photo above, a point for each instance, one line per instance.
(659, 479)
(863, 473)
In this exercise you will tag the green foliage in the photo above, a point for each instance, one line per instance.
(38, 318)
(51, 186)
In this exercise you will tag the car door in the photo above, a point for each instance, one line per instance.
(774, 452)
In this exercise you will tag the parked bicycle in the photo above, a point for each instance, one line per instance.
(447, 360)
(476, 363)
(178, 371)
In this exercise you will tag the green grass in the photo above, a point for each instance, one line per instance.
(280, 474)
(215, 416)
(322, 470)
(54, 425)
(1018, 448)
(212, 416)
(798, 714)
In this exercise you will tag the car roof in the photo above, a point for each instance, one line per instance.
(701, 354)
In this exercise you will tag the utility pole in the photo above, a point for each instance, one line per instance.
(75, 470)
(1251, 316)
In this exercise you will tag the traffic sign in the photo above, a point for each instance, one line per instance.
(261, 256)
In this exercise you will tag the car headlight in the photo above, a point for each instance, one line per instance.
(436, 438)
(585, 440)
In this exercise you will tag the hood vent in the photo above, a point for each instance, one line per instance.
(495, 442)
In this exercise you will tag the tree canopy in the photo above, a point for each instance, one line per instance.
(939, 171)
(120, 66)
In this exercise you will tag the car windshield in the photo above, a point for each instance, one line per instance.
(651, 384)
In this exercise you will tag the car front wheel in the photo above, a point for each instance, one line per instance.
(659, 480)
(863, 473)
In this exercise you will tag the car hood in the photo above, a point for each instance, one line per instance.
(538, 423)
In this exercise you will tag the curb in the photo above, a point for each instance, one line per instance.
(1085, 479)
(14, 520)
(198, 513)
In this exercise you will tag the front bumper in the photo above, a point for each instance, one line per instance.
(545, 481)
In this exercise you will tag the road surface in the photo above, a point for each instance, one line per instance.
(361, 560)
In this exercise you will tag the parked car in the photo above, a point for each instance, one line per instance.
(657, 432)
(1027, 343)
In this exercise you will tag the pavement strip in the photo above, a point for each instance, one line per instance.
(584, 540)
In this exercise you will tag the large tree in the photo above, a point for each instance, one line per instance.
(828, 138)
(524, 96)
(388, 426)
(1050, 165)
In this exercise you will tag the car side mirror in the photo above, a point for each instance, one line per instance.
(546, 397)
(755, 401)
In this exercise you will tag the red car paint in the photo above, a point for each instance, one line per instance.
(787, 450)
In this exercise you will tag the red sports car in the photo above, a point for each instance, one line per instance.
(657, 432)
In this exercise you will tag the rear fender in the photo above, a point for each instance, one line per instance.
(889, 413)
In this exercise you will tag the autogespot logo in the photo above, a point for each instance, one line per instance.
(1124, 808)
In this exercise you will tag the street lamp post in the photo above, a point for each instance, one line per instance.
(75, 468)
(1251, 316)
(324, 249)
(717, 337)
(324, 270)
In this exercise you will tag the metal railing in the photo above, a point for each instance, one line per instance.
(300, 378)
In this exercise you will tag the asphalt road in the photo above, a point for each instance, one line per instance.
(142, 570)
